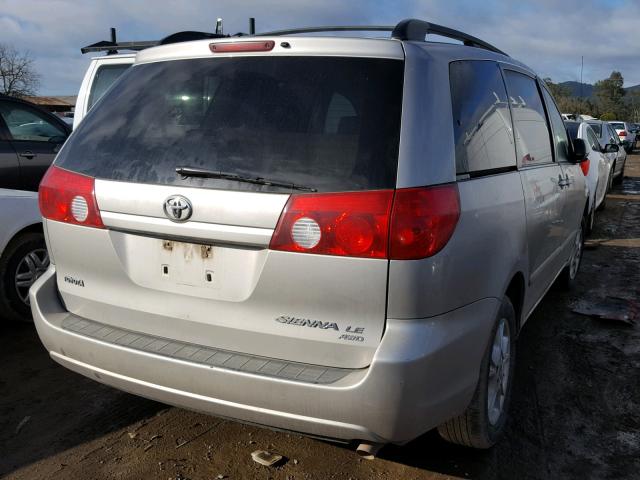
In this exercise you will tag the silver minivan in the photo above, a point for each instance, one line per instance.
(336, 236)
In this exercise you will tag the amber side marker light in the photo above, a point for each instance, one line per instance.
(238, 47)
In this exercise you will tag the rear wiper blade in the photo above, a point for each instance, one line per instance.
(203, 173)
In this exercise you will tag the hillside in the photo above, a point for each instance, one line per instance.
(587, 89)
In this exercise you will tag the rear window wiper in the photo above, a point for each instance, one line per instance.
(203, 173)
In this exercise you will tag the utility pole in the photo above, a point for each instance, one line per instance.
(581, 91)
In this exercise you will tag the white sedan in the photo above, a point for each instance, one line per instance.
(23, 253)
(597, 169)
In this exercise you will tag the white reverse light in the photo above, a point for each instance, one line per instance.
(79, 208)
(306, 232)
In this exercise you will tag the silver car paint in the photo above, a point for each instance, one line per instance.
(418, 364)
(423, 373)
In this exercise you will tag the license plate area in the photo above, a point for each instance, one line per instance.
(188, 264)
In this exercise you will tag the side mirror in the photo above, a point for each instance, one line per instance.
(579, 150)
(610, 148)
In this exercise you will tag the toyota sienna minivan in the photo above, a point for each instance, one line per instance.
(335, 236)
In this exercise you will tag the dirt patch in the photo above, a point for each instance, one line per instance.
(576, 405)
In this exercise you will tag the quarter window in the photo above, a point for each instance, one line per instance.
(593, 141)
(532, 133)
(103, 79)
(560, 138)
(481, 121)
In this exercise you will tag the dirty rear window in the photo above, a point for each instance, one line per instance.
(329, 123)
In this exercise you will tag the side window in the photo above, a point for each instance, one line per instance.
(25, 123)
(481, 121)
(103, 79)
(532, 134)
(560, 139)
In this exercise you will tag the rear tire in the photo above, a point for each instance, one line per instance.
(592, 219)
(22, 262)
(567, 278)
(618, 180)
(483, 423)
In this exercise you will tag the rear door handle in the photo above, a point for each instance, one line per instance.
(28, 154)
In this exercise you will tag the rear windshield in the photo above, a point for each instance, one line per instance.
(618, 126)
(332, 124)
(597, 127)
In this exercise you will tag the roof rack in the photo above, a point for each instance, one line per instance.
(410, 29)
(112, 47)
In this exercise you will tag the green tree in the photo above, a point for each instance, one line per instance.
(558, 91)
(610, 97)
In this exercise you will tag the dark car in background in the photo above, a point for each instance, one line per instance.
(30, 138)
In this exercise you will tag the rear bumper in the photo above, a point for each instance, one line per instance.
(423, 373)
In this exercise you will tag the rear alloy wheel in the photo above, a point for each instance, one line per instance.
(483, 423)
(24, 260)
(568, 276)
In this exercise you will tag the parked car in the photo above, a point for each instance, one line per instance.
(287, 230)
(30, 138)
(624, 131)
(23, 254)
(607, 135)
(597, 169)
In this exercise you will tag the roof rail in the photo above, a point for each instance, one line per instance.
(409, 29)
(417, 30)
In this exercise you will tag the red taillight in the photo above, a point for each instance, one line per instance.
(69, 197)
(422, 221)
(416, 223)
(349, 224)
(236, 47)
(622, 134)
(584, 165)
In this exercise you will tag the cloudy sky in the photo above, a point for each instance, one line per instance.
(548, 35)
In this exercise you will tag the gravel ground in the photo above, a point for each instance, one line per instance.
(575, 409)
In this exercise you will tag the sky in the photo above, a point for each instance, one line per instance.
(550, 36)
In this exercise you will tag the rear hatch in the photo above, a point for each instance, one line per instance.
(185, 254)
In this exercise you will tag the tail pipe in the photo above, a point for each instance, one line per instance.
(368, 450)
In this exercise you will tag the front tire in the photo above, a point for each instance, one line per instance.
(22, 262)
(483, 423)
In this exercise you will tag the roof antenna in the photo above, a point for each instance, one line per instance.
(252, 26)
(113, 40)
(219, 26)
